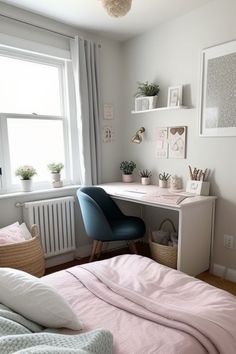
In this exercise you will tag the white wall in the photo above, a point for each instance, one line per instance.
(170, 55)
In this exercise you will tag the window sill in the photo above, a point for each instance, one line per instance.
(39, 191)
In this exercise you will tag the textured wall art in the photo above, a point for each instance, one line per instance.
(177, 139)
(171, 142)
(218, 94)
(162, 143)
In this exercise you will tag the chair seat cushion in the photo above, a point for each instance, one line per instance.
(127, 228)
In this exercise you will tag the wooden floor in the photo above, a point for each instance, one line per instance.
(143, 250)
(218, 282)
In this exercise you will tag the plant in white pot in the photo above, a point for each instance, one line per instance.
(145, 176)
(55, 169)
(163, 179)
(127, 168)
(146, 96)
(26, 173)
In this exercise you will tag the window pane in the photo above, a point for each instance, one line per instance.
(37, 143)
(28, 87)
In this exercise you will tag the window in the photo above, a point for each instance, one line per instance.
(34, 121)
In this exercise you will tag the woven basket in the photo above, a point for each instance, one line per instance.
(166, 255)
(27, 255)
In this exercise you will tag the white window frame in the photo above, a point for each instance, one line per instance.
(68, 113)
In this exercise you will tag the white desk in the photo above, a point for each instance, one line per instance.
(195, 221)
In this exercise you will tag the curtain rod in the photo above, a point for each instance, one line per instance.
(36, 26)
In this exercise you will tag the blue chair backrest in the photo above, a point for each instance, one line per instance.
(104, 201)
(97, 208)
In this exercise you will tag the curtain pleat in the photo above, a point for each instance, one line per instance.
(86, 64)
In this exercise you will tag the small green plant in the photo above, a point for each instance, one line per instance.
(127, 167)
(146, 89)
(164, 176)
(55, 167)
(25, 172)
(145, 173)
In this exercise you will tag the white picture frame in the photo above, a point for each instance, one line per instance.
(175, 96)
(162, 142)
(217, 108)
(108, 111)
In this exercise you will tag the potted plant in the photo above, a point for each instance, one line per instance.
(146, 96)
(127, 167)
(145, 176)
(163, 179)
(55, 169)
(26, 173)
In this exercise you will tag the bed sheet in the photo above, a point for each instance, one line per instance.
(132, 334)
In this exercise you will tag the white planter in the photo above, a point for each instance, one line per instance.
(56, 180)
(127, 178)
(175, 183)
(163, 184)
(145, 180)
(26, 185)
(145, 103)
(56, 177)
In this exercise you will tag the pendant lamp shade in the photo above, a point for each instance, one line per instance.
(117, 8)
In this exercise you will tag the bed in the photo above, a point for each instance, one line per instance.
(149, 308)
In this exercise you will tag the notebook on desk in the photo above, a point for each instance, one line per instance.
(170, 198)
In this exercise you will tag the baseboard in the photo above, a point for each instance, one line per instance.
(218, 270)
(81, 252)
(224, 272)
(231, 275)
(60, 259)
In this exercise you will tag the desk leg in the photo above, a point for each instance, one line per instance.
(195, 237)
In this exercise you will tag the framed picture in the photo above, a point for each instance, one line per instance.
(108, 111)
(174, 96)
(217, 113)
(177, 142)
(162, 143)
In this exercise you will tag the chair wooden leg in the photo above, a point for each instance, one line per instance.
(99, 249)
(132, 247)
(94, 248)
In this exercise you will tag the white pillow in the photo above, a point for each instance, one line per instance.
(25, 232)
(35, 300)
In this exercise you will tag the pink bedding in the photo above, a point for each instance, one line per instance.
(149, 308)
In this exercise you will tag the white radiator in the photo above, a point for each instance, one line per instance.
(55, 218)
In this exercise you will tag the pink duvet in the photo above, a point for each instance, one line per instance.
(150, 308)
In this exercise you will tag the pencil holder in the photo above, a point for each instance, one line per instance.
(198, 187)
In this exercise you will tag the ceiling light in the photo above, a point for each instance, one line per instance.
(117, 8)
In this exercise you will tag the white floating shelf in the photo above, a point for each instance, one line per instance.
(160, 109)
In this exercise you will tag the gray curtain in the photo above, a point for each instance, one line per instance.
(86, 65)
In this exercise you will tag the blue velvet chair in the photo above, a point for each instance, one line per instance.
(104, 221)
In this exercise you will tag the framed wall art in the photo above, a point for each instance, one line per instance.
(218, 91)
(162, 143)
(108, 111)
(174, 96)
(171, 142)
(177, 142)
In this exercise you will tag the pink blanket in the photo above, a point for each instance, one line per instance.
(166, 298)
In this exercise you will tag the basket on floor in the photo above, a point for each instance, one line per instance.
(27, 255)
(166, 255)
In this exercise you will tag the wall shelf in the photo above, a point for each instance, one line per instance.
(160, 109)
